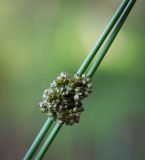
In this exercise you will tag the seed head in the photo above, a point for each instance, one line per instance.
(63, 99)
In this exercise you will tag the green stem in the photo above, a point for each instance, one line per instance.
(49, 140)
(102, 38)
(38, 139)
(91, 72)
(111, 38)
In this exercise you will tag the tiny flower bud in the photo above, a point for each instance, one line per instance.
(76, 97)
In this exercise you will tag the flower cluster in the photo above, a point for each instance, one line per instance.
(63, 99)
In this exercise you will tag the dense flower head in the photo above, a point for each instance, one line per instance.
(63, 99)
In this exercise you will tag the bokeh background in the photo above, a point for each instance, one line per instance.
(41, 38)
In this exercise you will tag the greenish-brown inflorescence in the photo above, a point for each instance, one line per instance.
(63, 99)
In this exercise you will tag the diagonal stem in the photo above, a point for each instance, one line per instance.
(111, 38)
(102, 38)
(38, 139)
(49, 140)
(82, 69)
(91, 72)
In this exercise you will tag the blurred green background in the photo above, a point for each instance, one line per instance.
(41, 38)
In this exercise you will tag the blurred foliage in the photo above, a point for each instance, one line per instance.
(40, 39)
